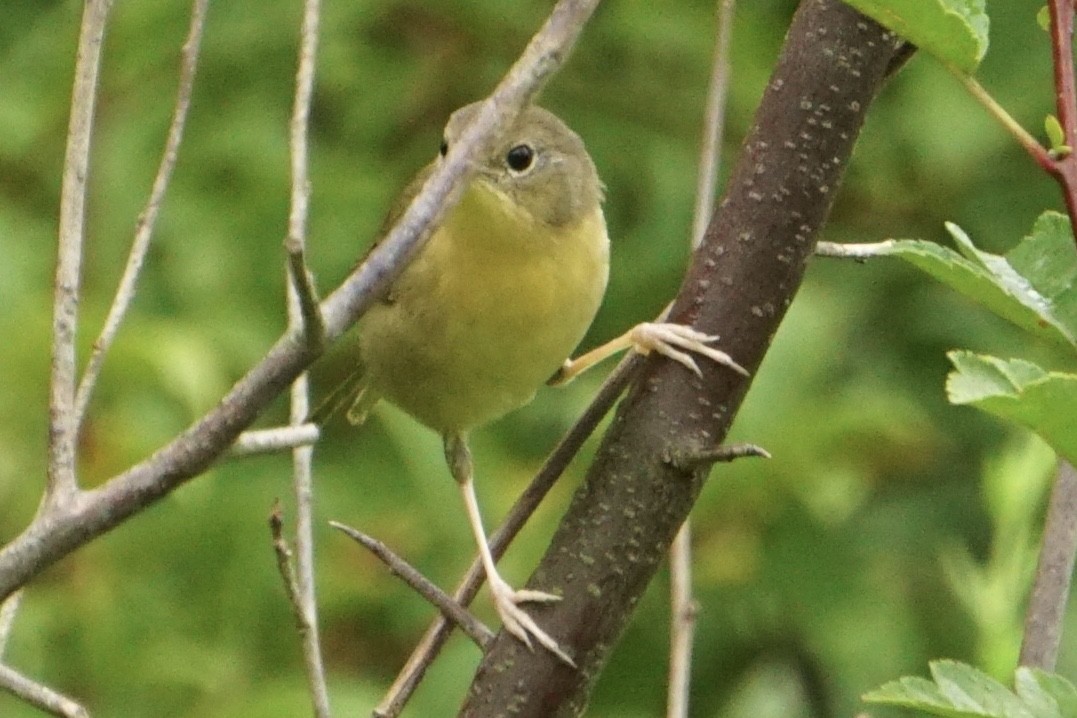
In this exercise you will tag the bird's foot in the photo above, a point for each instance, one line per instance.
(518, 622)
(676, 341)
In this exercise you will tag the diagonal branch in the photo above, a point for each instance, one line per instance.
(739, 285)
(65, 527)
(473, 627)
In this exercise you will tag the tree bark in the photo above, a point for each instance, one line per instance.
(741, 281)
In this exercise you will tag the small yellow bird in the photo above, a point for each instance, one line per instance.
(494, 304)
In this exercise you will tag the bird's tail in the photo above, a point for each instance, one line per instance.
(353, 395)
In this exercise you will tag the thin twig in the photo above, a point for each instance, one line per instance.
(682, 623)
(862, 250)
(8, 610)
(1047, 603)
(303, 313)
(283, 554)
(303, 484)
(691, 460)
(147, 220)
(39, 695)
(1019, 133)
(713, 123)
(683, 608)
(427, 650)
(271, 441)
(62, 483)
(309, 313)
(473, 627)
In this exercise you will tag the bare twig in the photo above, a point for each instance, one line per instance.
(38, 695)
(284, 563)
(683, 609)
(473, 627)
(304, 314)
(8, 610)
(693, 459)
(863, 250)
(1047, 604)
(147, 221)
(66, 526)
(430, 645)
(309, 315)
(296, 244)
(63, 425)
(271, 441)
(682, 623)
(714, 123)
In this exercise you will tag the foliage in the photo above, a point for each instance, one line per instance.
(819, 572)
(960, 691)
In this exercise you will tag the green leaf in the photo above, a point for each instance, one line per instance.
(961, 691)
(1033, 286)
(954, 31)
(1040, 688)
(1043, 18)
(1020, 391)
(1056, 136)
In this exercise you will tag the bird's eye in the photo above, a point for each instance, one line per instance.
(444, 148)
(520, 158)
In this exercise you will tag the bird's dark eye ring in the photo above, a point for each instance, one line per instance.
(444, 148)
(520, 157)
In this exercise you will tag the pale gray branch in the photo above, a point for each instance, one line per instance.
(304, 315)
(868, 250)
(713, 123)
(38, 695)
(8, 610)
(68, 525)
(277, 439)
(62, 482)
(682, 623)
(147, 220)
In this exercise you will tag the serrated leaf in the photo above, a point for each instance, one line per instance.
(1040, 702)
(1034, 285)
(916, 693)
(976, 692)
(961, 691)
(954, 31)
(1060, 690)
(1019, 391)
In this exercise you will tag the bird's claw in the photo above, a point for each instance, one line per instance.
(519, 623)
(676, 341)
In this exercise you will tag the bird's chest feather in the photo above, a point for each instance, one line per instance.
(485, 314)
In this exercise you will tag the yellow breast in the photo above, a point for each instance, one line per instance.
(486, 314)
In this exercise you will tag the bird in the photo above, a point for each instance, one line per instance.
(492, 307)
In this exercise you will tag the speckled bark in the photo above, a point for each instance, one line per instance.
(741, 281)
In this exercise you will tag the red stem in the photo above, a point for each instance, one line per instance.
(1064, 169)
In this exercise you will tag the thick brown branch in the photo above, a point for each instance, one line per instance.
(623, 519)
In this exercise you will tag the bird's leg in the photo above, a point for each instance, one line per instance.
(506, 598)
(672, 340)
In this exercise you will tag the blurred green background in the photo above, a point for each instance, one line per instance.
(888, 529)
